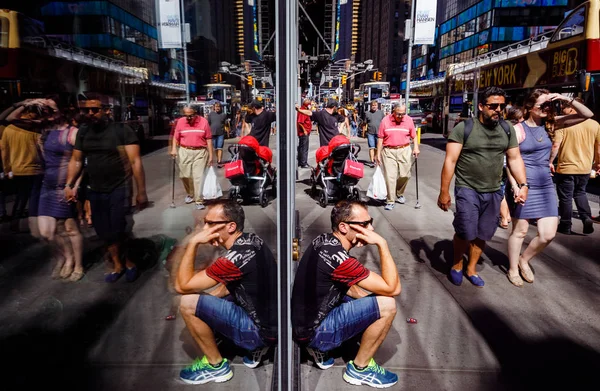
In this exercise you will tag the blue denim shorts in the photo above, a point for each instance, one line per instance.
(344, 322)
(229, 320)
(477, 214)
(372, 140)
(218, 141)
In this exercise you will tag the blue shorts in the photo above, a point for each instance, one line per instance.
(218, 141)
(372, 140)
(477, 214)
(111, 213)
(229, 320)
(344, 322)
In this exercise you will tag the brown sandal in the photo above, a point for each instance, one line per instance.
(76, 276)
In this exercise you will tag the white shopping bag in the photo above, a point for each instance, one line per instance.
(211, 189)
(377, 189)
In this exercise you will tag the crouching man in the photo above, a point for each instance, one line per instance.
(328, 278)
(243, 309)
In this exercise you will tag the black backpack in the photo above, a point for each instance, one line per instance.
(469, 128)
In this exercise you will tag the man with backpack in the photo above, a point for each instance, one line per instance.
(475, 153)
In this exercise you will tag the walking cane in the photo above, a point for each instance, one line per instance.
(417, 206)
(173, 187)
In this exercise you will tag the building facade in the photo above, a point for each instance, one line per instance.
(119, 29)
(381, 38)
(467, 29)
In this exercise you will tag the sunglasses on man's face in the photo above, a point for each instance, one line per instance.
(94, 110)
(494, 106)
(363, 224)
(211, 223)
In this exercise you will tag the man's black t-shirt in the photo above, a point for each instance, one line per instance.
(261, 126)
(216, 121)
(328, 125)
(249, 272)
(103, 145)
(325, 273)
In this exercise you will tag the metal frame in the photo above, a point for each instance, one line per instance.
(286, 44)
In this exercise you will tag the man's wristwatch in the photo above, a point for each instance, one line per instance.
(524, 185)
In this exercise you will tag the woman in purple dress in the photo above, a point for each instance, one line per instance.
(535, 142)
(57, 217)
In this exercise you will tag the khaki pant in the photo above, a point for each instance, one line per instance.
(396, 169)
(192, 165)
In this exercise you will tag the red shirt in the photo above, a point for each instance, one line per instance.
(304, 122)
(194, 135)
(396, 134)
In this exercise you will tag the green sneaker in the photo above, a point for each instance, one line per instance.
(201, 372)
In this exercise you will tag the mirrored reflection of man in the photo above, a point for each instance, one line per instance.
(193, 137)
(259, 122)
(113, 157)
(330, 304)
(304, 125)
(327, 120)
(216, 121)
(243, 308)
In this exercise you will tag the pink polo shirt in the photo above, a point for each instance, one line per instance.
(194, 135)
(396, 135)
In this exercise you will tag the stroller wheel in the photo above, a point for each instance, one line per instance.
(323, 199)
(313, 190)
(264, 201)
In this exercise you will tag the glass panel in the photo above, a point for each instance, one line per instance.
(573, 25)
(109, 217)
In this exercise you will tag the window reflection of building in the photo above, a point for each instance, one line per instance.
(469, 28)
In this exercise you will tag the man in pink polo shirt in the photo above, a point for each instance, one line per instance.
(394, 153)
(195, 153)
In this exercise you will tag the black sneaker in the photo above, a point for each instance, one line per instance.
(588, 226)
(564, 230)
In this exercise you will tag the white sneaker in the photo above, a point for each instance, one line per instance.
(200, 206)
(401, 199)
(189, 199)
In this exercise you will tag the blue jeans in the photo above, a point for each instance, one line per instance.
(372, 140)
(218, 141)
(229, 320)
(344, 322)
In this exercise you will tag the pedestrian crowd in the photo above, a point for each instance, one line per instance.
(502, 160)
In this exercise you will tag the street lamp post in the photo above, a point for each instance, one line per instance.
(185, 59)
(410, 46)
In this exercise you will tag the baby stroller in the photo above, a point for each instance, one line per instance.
(337, 172)
(250, 172)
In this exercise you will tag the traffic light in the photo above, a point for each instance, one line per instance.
(344, 79)
(378, 76)
(250, 81)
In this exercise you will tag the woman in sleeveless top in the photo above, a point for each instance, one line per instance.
(57, 217)
(535, 143)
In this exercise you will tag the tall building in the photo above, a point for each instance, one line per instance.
(120, 29)
(470, 28)
(382, 37)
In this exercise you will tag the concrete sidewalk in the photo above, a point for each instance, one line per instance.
(96, 336)
(546, 334)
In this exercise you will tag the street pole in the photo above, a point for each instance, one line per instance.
(185, 59)
(410, 45)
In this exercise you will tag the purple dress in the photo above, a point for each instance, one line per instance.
(57, 153)
(541, 198)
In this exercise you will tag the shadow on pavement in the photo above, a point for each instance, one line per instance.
(548, 364)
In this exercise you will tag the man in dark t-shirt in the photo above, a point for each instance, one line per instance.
(324, 314)
(216, 121)
(373, 119)
(327, 120)
(113, 156)
(260, 122)
(247, 273)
